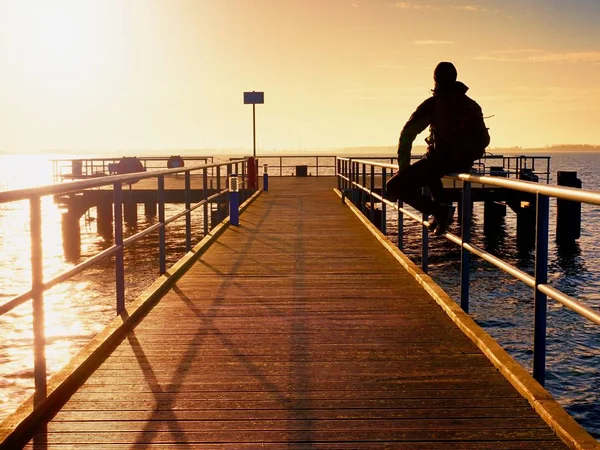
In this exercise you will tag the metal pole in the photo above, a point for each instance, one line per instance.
(363, 195)
(540, 300)
(234, 200)
(400, 226)
(188, 215)
(425, 239)
(219, 191)
(465, 256)
(204, 196)
(372, 188)
(253, 130)
(119, 264)
(383, 205)
(265, 177)
(37, 288)
(162, 234)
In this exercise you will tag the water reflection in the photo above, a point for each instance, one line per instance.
(568, 258)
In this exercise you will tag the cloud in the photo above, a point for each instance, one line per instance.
(416, 6)
(434, 42)
(472, 8)
(434, 7)
(534, 56)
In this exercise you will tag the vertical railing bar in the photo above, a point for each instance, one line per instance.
(372, 189)
(219, 190)
(338, 165)
(465, 255)
(383, 204)
(400, 226)
(188, 216)
(37, 288)
(425, 239)
(204, 197)
(363, 195)
(119, 256)
(162, 232)
(540, 300)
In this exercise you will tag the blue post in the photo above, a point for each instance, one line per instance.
(266, 177)
(400, 226)
(540, 300)
(234, 200)
(465, 256)
(425, 239)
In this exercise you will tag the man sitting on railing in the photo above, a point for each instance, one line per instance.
(458, 136)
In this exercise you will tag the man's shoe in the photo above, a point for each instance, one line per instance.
(444, 219)
(432, 224)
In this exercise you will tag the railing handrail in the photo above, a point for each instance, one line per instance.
(561, 192)
(75, 186)
(39, 286)
(354, 178)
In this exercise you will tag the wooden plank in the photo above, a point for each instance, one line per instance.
(296, 330)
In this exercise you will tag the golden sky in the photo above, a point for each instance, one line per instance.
(170, 74)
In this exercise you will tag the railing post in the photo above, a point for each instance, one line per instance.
(119, 264)
(425, 240)
(363, 183)
(338, 165)
(188, 215)
(354, 179)
(383, 205)
(37, 288)
(205, 196)
(424, 247)
(400, 225)
(265, 177)
(465, 255)
(540, 300)
(234, 200)
(371, 189)
(219, 190)
(162, 232)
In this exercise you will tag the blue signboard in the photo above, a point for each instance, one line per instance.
(253, 98)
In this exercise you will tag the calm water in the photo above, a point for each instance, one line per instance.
(78, 309)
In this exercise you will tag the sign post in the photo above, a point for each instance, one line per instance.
(253, 98)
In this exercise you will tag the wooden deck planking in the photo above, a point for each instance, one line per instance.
(297, 330)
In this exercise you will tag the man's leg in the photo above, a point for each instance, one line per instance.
(405, 185)
(436, 188)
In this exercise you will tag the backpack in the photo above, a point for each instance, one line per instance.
(458, 128)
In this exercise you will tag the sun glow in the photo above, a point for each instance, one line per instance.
(60, 49)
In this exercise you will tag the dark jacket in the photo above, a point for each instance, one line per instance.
(429, 114)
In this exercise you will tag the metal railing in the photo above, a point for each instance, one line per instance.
(357, 178)
(80, 168)
(38, 284)
(299, 165)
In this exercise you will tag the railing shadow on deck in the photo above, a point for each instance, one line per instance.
(39, 285)
(357, 179)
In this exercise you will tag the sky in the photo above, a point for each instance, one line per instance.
(116, 75)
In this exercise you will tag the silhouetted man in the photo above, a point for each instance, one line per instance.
(457, 138)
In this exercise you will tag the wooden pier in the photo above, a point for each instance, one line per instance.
(299, 329)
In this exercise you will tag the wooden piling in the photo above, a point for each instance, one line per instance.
(568, 213)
